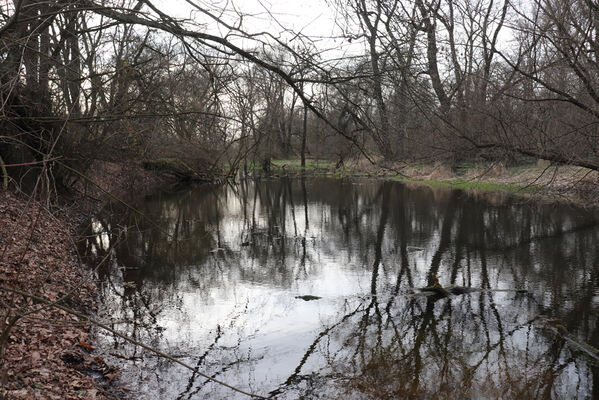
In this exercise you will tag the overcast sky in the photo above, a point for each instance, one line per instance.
(312, 18)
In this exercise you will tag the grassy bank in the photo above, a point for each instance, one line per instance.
(295, 165)
(526, 178)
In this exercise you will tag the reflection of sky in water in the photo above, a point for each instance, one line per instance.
(191, 285)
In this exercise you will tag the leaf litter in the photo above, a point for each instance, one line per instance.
(47, 353)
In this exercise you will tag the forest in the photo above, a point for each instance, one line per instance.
(246, 199)
(401, 81)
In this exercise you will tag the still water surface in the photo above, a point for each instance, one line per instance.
(210, 275)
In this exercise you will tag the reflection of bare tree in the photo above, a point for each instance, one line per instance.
(392, 343)
(193, 387)
(433, 349)
(296, 376)
(400, 349)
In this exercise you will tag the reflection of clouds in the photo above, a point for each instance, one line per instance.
(234, 311)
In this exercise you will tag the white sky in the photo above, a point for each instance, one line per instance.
(312, 17)
(280, 18)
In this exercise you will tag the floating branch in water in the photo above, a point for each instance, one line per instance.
(308, 297)
(561, 331)
(449, 291)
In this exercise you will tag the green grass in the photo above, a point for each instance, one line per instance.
(297, 164)
(294, 165)
(327, 167)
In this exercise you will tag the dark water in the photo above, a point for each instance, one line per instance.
(211, 276)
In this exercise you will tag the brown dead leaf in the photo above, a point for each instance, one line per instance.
(86, 345)
(110, 377)
(35, 357)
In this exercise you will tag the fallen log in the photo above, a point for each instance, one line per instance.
(448, 290)
(181, 170)
(436, 288)
(573, 341)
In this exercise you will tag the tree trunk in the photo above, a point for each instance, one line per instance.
(304, 134)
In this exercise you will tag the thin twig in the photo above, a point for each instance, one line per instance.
(127, 338)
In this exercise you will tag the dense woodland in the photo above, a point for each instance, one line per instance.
(449, 80)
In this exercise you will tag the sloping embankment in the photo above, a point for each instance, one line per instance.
(46, 352)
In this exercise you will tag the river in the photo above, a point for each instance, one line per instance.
(307, 288)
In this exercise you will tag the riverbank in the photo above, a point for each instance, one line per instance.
(109, 181)
(46, 351)
(534, 180)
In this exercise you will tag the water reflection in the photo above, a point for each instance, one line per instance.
(211, 275)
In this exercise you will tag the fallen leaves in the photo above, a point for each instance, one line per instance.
(47, 352)
(86, 345)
